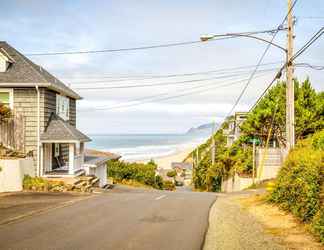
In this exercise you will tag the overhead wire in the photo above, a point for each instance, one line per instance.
(261, 59)
(166, 45)
(158, 98)
(315, 37)
(149, 77)
(193, 81)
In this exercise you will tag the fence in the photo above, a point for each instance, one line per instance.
(12, 133)
(268, 164)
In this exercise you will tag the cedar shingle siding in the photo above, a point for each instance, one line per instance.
(25, 102)
(22, 75)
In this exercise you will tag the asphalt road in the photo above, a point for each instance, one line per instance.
(120, 219)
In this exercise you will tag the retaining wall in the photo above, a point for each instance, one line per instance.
(12, 173)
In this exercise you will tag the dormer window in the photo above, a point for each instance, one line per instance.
(5, 61)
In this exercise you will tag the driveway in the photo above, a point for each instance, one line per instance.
(14, 206)
(120, 219)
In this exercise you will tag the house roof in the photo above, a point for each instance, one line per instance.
(58, 130)
(94, 158)
(93, 152)
(24, 73)
(182, 165)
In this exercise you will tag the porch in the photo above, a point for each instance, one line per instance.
(62, 159)
(61, 149)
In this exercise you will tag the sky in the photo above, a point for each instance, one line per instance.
(51, 26)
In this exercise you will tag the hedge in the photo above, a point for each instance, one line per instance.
(299, 185)
(142, 173)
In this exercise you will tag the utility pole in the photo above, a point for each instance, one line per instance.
(213, 145)
(290, 107)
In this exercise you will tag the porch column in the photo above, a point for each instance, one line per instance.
(41, 160)
(71, 158)
(82, 153)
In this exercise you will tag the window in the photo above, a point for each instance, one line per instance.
(6, 97)
(56, 150)
(62, 107)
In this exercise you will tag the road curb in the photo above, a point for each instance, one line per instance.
(208, 222)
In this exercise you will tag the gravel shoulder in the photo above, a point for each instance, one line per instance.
(231, 227)
(244, 220)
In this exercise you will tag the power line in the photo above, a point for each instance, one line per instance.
(316, 36)
(261, 59)
(222, 37)
(158, 98)
(307, 65)
(311, 17)
(149, 77)
(167, 83)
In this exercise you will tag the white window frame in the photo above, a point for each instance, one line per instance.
(10, 91)
(59, 99)
(56, 149)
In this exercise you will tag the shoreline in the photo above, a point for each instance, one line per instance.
(164, 162)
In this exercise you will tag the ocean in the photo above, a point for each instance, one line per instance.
(146, 146)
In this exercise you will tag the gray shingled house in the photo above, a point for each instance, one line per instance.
(49, 108)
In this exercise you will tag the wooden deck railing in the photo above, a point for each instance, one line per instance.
(12, 133)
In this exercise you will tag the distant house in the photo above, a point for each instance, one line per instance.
(233, 131)
(48, 106)
(184, 170)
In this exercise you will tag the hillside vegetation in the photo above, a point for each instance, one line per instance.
(299, 186)
(269, 112)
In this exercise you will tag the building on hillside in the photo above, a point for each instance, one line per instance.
(48, 133)
(184, 171)
(233, 131)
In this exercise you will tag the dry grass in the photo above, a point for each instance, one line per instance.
(288, 230)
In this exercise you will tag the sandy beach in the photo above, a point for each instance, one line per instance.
(164, 162)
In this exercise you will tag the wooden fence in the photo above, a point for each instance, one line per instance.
(12, 133)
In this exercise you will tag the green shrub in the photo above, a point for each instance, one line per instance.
(171, 173)
(158, 182)
(169, 185)
(299, 182)
(140, 172)
(318, 224)
(43, 185)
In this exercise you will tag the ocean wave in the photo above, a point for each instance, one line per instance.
(153, 151)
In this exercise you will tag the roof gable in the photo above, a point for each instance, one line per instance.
(58, 130)
(23, 72)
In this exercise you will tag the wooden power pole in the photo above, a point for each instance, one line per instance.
(290, 107)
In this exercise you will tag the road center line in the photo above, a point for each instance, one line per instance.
(160, 197)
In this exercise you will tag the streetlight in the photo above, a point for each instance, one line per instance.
(290, 130)
(205, 38)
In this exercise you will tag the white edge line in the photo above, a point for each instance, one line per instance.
(160, 197)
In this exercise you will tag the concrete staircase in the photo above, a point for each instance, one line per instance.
(85, 183)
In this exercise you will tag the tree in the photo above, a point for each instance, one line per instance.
(271, 111)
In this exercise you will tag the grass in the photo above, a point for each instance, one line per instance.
(287, 229)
